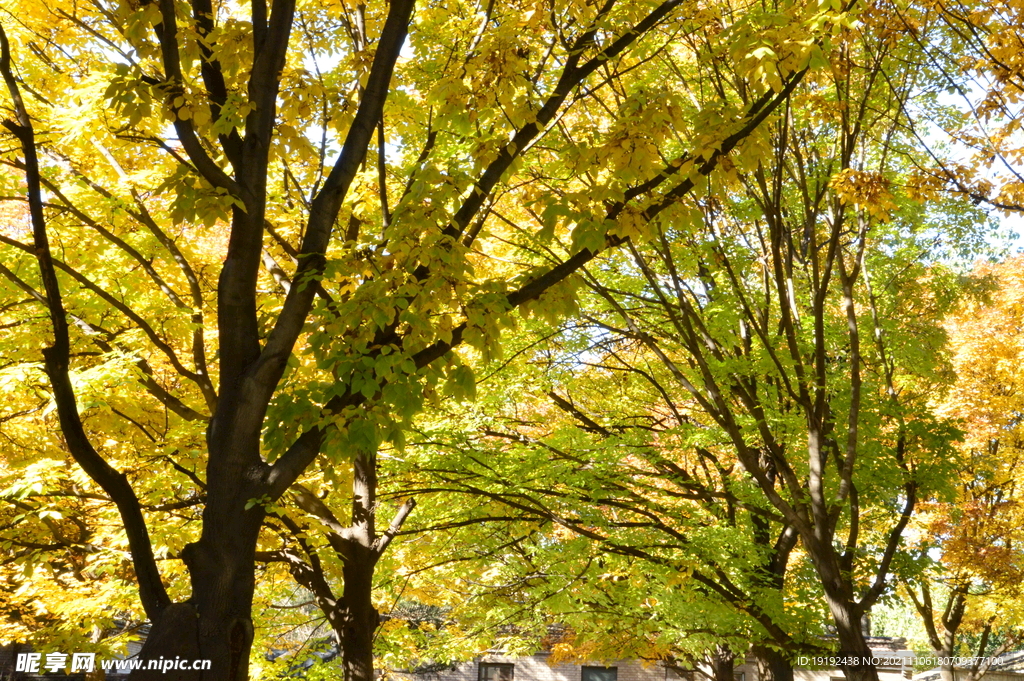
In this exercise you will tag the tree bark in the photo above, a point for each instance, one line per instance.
(353, 617)
(216, 623)
(359, 557)
(722, 662)
(771, 664)
(852, 642)
(360, 618)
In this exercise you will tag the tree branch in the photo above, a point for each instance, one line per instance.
(57, 359)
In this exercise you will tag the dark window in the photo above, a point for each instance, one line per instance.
(496, 672)
(600, 674)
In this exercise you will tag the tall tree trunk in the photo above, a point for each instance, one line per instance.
(222, 563)
(360, 558)
(852, 641)
(723, 664)
(771, 664)
(215, 624)
(352, 617)
(361, 618)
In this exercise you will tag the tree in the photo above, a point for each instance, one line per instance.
(766, 338)
(970, 603)
(391, 257)
(655, 527)
(794, 310)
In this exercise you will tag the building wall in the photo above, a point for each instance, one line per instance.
(884, 674)
(536, 668)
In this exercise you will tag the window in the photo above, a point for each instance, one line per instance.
(496, 672)
(600, 674)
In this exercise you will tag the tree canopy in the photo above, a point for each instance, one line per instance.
(310, 312)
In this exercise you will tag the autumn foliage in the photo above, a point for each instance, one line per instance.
(406, 329)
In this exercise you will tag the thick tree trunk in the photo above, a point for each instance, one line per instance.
(852, 642)
(216, 623)
(361, 618)
(174, 636)
(723, 664)
(360, 559)
(772, 665)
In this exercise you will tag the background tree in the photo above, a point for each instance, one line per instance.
(795, 310)
(653, 531)
(971, 603)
